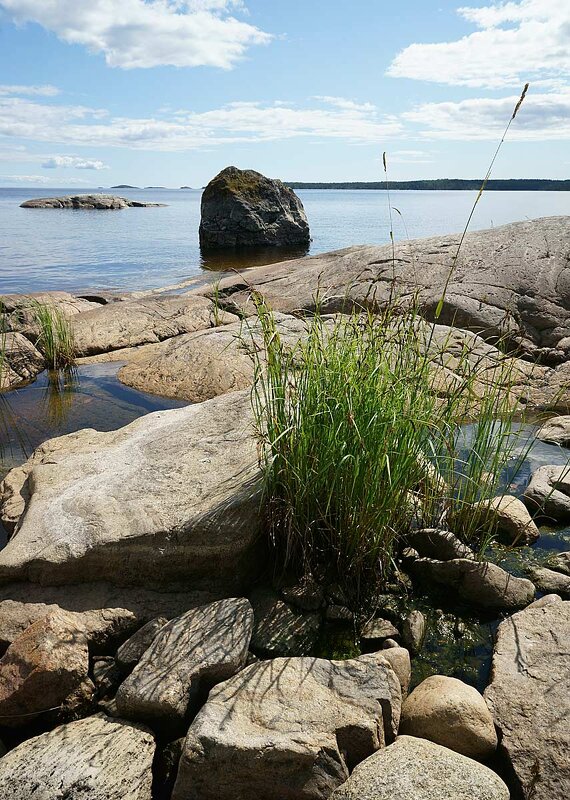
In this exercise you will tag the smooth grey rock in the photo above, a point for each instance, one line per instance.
(509, 517)
(130, 652)
(142, 321)
(97, 758)
(415, 769)
(170, 500)
(556, 431)
(47, 664)
(242, 208)
(399, 659)
(280, 631)
(377, 629)
(414, 631)
(548, 494)
(547, 580)
(201, 365)
(289, 729)
(189, 654)
(437, 543)
(102, 202)
(479, 582)
(529, 697)
(545, 600)
(19, 313)
(450, 713)
(510, 280)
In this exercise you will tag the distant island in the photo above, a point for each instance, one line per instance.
(508, 185)
(124, 186)
(185, 187)
(155, 187)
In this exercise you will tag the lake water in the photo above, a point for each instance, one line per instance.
(143, 248)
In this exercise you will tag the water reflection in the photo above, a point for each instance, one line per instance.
(235, 259)
(64, 401)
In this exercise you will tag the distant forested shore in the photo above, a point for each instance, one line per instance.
(509, 185)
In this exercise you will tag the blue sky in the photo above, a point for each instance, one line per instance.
(168, 92)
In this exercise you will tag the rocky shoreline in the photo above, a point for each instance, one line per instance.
(149, 650)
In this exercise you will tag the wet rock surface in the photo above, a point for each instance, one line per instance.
(96, 758)
(242, 208)
(418, 769)
(289, 728)
(189, 655)
(529, 698)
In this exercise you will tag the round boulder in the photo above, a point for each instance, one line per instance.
(450, 713)
(242, 208)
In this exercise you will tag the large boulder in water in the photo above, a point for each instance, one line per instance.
(242, 208)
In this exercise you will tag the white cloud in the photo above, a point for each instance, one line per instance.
(40, 91)
(516, 42)
(147, 33)
(53, 162)
(42, 179)
(187, 130)
(409, 157)
(542, 117)
(342, 102)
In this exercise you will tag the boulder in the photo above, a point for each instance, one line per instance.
(170, 501)
(450, 713)
(511, 280)
(242, 208)
(550, 581)
(101, 627)
(96, 607)
(556, 431)
(144, 320)
(480, 582)
(96, 758)
(202, 365)
(21, 360)
(509, 517)
(414, 631)
(102, 202)
(399, 659)
(188, 656)
(19, 308)
(42, 668)
(280, 631)
(307, 595)
(131, 651)
(415, 769)
(529, 698)
(289, 729)
(374, 631)
(437, 543)
(548, 494)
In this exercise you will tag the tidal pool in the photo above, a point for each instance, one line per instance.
(60, 402)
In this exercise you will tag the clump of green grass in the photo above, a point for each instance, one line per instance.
(359, 444)
(54, 335)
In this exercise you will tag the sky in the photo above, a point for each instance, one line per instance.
(169, 92)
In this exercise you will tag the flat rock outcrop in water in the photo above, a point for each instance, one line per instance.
(509, 281)
(242, 208)
(87, 201)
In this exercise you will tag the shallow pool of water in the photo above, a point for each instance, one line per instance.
(90, 396)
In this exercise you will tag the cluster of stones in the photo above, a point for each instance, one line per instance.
(139, 649)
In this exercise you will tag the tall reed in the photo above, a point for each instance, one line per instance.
(54, 335)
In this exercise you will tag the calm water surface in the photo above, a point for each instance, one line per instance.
(140, 248)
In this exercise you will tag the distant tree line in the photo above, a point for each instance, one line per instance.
(510, 184)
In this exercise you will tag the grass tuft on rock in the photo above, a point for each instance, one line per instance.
(55, 338)
(361, 441)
